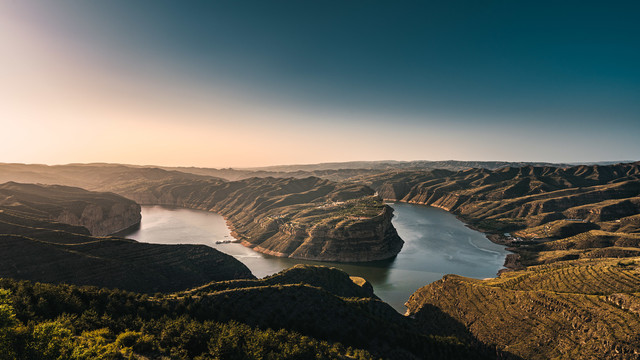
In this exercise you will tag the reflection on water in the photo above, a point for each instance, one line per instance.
(436, 243)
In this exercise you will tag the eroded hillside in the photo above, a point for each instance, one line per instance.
(535, 204)
(308, 218)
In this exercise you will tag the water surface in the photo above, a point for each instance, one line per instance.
(436, 243)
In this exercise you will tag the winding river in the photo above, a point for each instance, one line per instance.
(436, 243)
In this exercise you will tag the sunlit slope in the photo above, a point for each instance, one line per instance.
(585, 309)
(536, 204)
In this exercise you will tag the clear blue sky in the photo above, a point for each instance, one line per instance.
(246, 83)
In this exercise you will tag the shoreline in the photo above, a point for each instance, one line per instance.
(511, 261)
(243, 240)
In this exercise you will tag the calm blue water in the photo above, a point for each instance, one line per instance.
(436, 243)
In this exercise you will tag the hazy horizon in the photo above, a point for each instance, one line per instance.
(312, 164)
(251, 84)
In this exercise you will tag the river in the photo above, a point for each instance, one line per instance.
(436, 243)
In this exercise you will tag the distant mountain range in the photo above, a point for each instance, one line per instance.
(415, 165)
(343, 170)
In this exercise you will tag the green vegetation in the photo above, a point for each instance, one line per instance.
(87, 336)
(288, 316)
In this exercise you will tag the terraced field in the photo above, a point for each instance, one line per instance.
(584, 309)
(594, 277)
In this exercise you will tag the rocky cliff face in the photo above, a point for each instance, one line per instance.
(101, 221)
(101, 213)
(307, 218)
(364, 240)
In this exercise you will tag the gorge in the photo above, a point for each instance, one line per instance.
(436, 244)
(573, 276)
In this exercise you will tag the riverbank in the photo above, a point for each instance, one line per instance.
(511, 262)
(436, 244)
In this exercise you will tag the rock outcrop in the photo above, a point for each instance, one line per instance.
(101, 213)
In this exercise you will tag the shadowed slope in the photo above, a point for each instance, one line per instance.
(101, 213)
(296, 300)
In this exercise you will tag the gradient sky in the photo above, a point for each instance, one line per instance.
(250, 83)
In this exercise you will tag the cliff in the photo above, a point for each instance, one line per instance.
(101, 213)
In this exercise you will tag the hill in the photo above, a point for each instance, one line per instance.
(536, 204)
(307, 218)
(340, 171)
(583, 309)
(101, 213)
(288, 316)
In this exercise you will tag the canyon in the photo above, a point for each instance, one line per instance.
(572, 289)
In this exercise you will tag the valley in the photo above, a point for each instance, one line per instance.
(573, 232)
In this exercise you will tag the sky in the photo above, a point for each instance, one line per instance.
(253, 83)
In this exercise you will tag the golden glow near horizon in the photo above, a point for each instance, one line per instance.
(63, 106)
